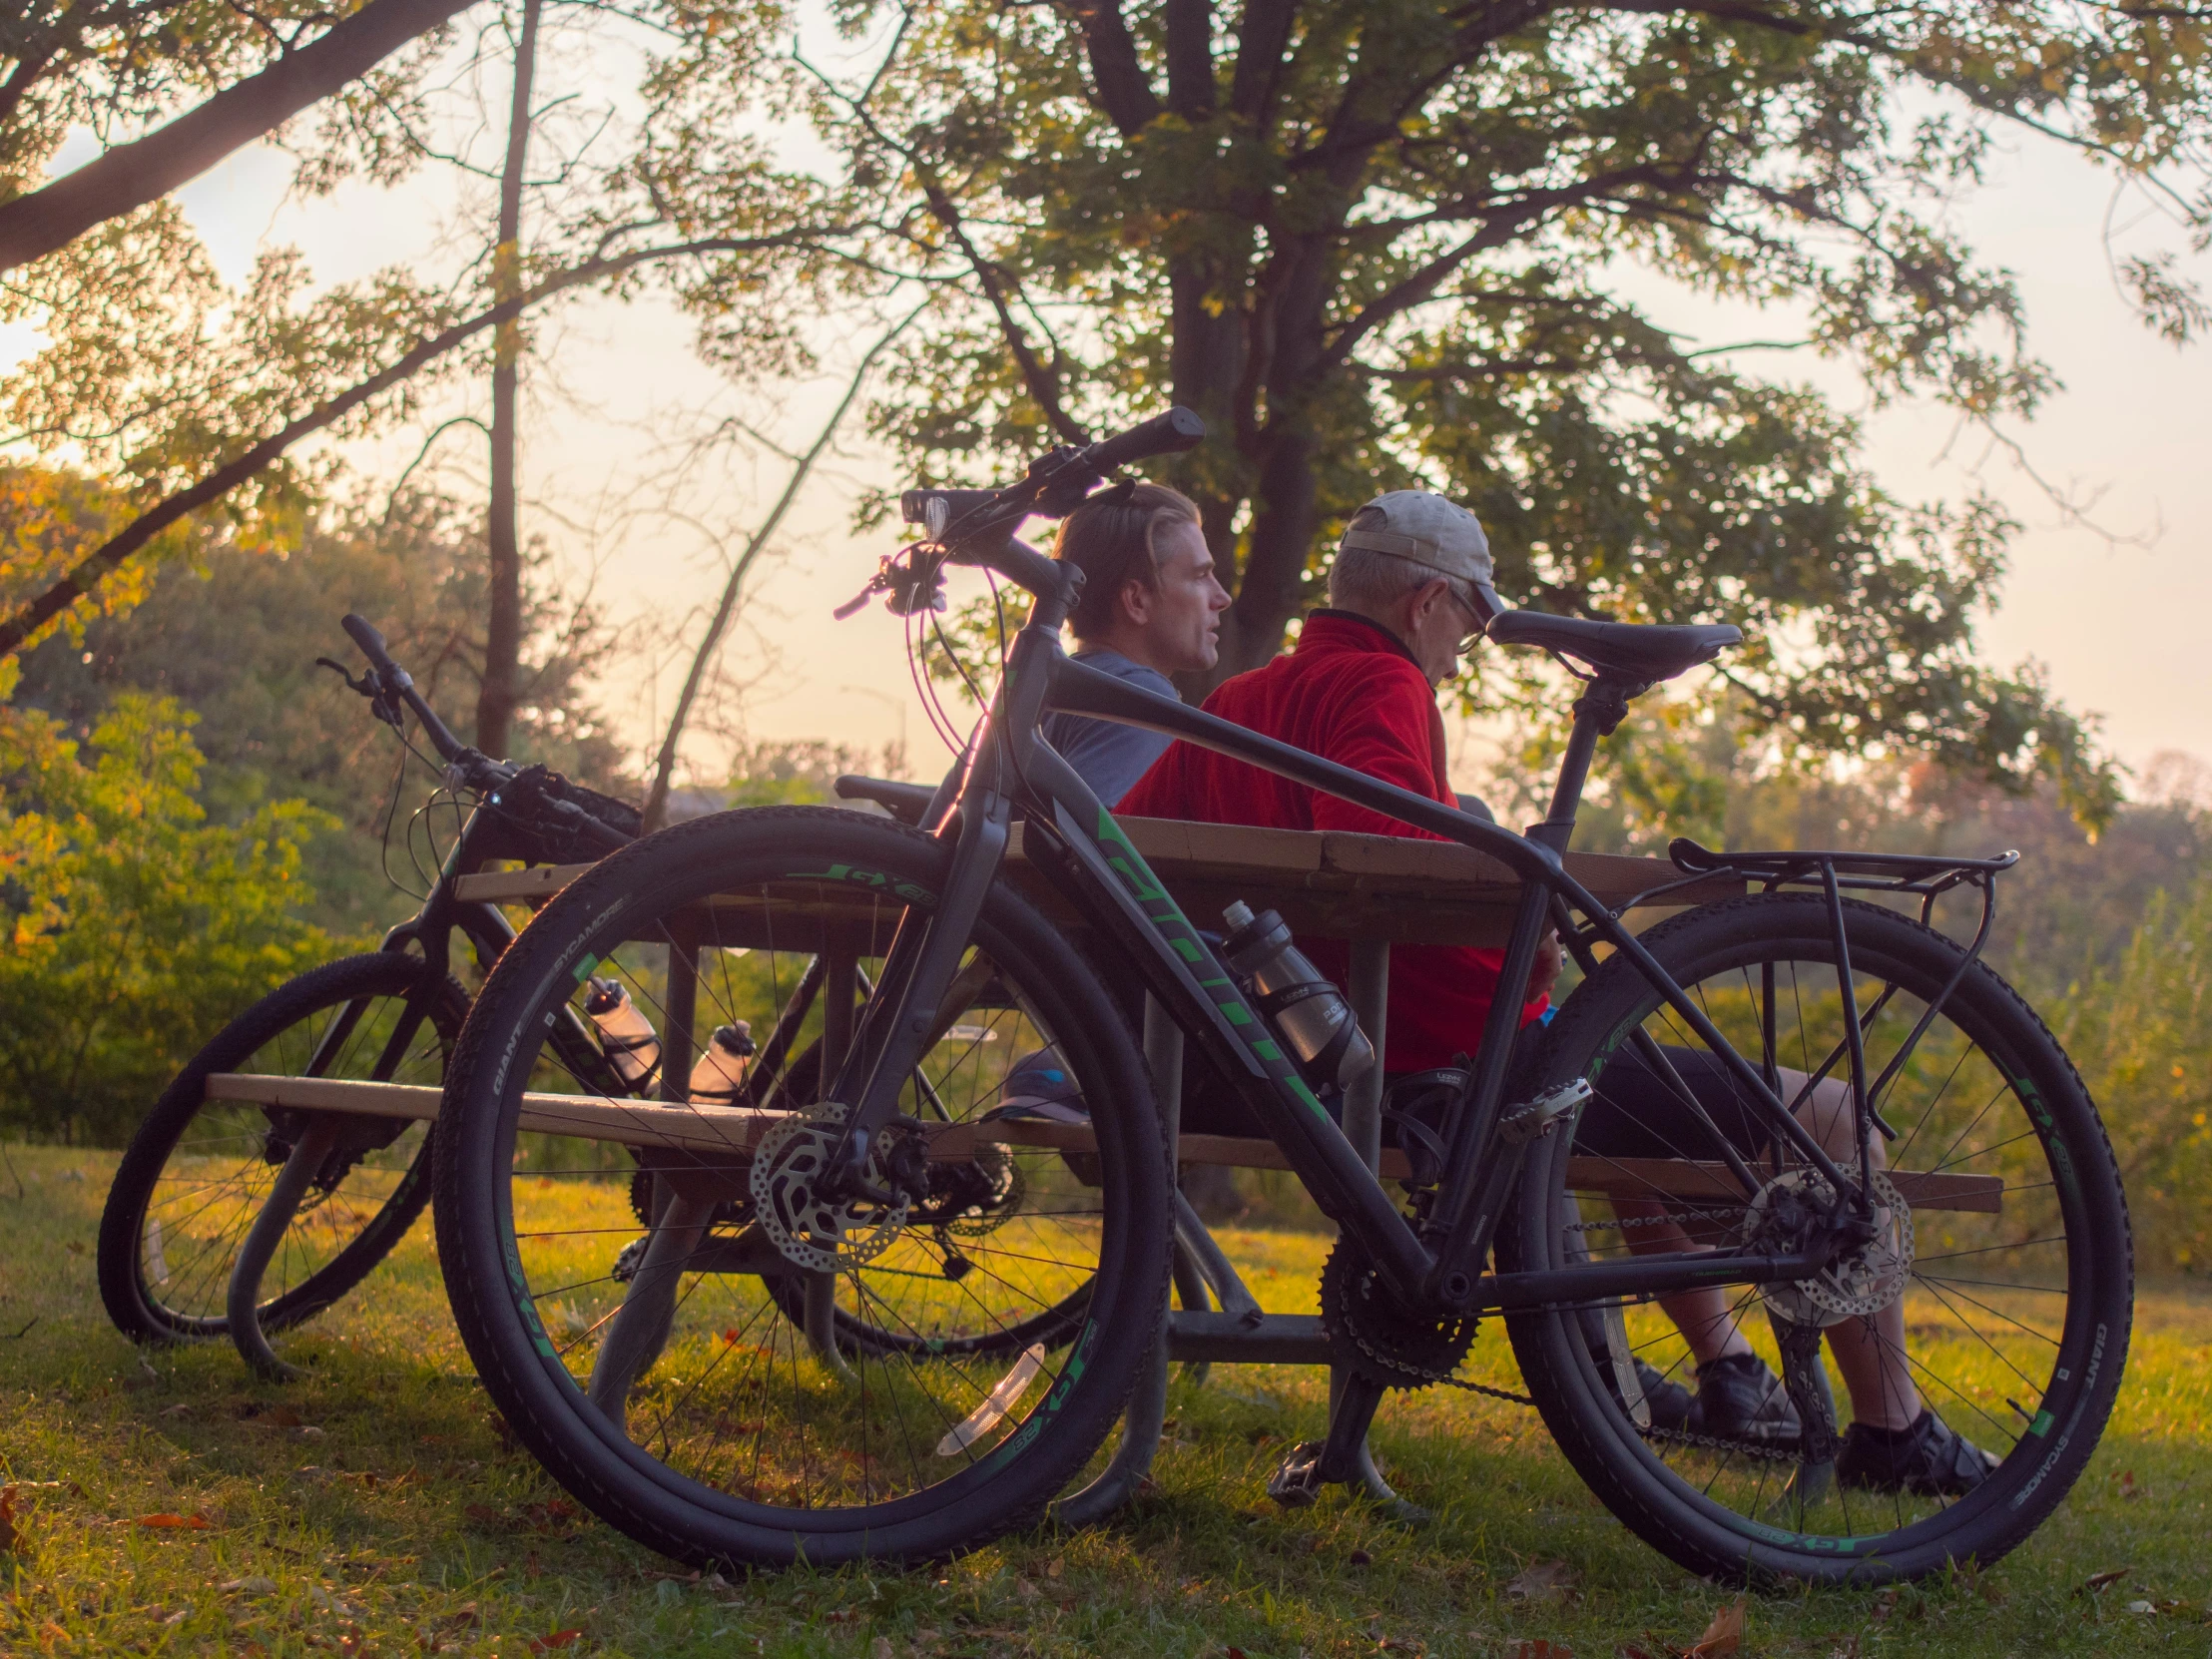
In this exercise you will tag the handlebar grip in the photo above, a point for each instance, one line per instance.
(1164, 434)
(365, 635)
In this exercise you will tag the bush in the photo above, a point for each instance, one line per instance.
(134, 930)
(2141, 1032)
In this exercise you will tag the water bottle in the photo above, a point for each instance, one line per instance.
(632, 1046)
(720, 1075)
(1308, 1011)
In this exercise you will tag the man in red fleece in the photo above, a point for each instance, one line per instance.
(1409, 593)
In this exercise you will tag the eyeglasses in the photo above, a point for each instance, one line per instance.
(1474, 612)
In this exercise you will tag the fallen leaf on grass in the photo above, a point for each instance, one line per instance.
(1540, 1648)
(11, 1533)
(1055, 1567)
(2097, 1580)
(2128, 1489)
(881, 1648)
(1402, 1644)
(176, 1411)
(2141, 1608)
(559, 1638)
(253, 1586)
(1723, 1635)
(1542, 1583)
(194, 1522)
(481, 1513)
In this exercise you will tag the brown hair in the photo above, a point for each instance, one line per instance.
(1111, 539)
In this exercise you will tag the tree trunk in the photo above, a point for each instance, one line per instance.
(496, 697)
(1289, 304)
(132, 175)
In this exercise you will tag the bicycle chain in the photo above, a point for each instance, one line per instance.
(1672, 1437)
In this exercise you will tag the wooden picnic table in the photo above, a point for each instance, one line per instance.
(1372, 891)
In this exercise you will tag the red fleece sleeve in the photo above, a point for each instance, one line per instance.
(1384, 733)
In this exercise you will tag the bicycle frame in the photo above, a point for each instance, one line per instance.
(1077, 845)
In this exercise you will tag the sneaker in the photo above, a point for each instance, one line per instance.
(1669, 1401)
(1930, 1458)
(1738, 1399)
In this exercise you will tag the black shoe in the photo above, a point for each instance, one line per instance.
(1930, 1458)
(1738, 1399)
(1670, 1402)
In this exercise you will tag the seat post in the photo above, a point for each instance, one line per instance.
(1596, 713)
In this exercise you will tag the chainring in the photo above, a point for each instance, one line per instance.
(819, 1234)
(1852, 1287)
(1376, 1339)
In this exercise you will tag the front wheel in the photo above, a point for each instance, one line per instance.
(198, 1171)
(2003, 1296)
(772, 1378)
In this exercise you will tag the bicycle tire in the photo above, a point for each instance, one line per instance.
(2079, 1350)
(726, 1472)
(150, 1293)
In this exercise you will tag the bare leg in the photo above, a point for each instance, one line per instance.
(1707, 1318)
(1868, 1351)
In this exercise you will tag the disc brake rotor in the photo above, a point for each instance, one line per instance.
(1863, 1282)
(821, 1234)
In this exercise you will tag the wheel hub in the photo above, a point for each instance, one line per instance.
(1864, 1280)
(1379, 1339)
(821, 1234)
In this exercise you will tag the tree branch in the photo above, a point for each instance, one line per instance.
(97, 565)
(131, 175)
(1124, 91)
(663, 764)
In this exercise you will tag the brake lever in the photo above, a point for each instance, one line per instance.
(385, 707)
(914, 577)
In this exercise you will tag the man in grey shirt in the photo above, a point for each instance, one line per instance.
(1151, 607)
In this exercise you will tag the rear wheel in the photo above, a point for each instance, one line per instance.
(914, 1381)
(2014, 1265)
(198, 1171)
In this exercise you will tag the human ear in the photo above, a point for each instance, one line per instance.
(1135, 602)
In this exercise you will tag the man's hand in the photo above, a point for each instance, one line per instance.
(1549, 959)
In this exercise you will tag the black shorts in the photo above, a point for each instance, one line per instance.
(1635, 1114)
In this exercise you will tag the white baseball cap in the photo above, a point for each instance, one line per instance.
(1424, 528)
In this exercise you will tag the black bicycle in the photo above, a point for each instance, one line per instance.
(237, 1216)
(984, 1149)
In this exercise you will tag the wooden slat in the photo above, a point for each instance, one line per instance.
(735, 1131)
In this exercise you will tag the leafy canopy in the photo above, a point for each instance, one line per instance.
(1389, 243)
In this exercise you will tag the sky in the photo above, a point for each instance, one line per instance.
(2114, 609)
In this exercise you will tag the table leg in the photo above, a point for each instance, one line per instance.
(261, 1239)
(1148, 1406)
(840, 983)
(1370, 1003)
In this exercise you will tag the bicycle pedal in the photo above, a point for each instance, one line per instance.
(1297, 1482)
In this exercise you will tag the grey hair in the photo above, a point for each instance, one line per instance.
(1363, 580)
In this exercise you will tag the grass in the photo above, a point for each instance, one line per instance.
(376, 1507)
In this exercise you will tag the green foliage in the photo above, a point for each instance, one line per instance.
(233, 636)
(136, 927)
(2142, 1032)
(1379, 245)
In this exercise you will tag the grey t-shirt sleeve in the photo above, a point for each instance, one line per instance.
(1110, 758)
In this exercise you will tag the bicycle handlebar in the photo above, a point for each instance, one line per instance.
(397, 681)
(1169, 433)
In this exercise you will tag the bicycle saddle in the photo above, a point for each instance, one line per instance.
(1629, 650)
(905, 801)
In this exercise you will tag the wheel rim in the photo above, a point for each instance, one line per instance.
(1996, 1317)
(947, 1343)
(218, 1173)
